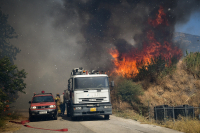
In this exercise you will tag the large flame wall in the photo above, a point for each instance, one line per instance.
(127, 64)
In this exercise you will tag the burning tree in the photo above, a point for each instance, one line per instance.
(128, 64)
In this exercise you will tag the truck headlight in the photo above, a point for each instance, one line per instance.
(77, 108)
(107, 107)
(33, 107)
(52, 106)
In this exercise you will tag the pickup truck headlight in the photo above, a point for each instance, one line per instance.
(77, 108)
(107, 107)
(52, 106)
(33, 107)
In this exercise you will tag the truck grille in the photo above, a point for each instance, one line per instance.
(93, 100)
(42, 107)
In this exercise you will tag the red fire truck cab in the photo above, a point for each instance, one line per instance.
(42, 104)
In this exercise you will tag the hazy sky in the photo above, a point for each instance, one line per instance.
(56, 36)
(190, 27)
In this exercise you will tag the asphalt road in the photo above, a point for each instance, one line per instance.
(92, 124)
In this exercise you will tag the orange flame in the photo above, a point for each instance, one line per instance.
(161, 18)
(128, 64)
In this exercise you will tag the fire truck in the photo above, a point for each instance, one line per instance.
(42, 105)
(88, 93)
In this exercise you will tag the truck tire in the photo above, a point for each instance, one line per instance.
(68, 110)
(106, 117)
(73, 118)
(68, 113)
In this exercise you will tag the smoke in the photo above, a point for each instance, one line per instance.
(57, 36)
(122, 23)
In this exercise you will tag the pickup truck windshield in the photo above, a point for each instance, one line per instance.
(39, 99)
(91, 82)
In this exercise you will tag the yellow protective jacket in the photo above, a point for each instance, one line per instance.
(57, 100)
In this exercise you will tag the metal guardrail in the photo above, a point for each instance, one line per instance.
(165, 112)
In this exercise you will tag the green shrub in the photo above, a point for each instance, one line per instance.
(13, 116)
(192, 61)
(128, 91)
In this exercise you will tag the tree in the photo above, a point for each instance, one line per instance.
(7, 32)
(11, 82)
(11, 79)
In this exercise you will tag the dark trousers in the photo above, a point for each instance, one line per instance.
(62, 106)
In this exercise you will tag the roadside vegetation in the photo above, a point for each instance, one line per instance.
(160, 83)
(6, 126)
(192, 61)
(182, 124)
(11, 79)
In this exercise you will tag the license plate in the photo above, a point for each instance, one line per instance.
(43, 112)
(92, 99)
(92, 109)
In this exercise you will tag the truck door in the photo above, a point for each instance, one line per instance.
(71, 90)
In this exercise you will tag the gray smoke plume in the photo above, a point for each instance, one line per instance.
(122, 23)
(57, 36)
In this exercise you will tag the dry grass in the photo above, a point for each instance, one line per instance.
(119, 105)
(130, 114)
(177, 88)
(11, 127)
(184, 125)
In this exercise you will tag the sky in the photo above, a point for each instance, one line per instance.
(192, 26)
(56, 36)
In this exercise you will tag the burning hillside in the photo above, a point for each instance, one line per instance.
(128, 63)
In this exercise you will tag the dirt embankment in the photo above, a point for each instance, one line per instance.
(178, 88)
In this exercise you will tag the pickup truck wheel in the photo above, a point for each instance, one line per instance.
(106, 117)
(55, 117)
(31, 118)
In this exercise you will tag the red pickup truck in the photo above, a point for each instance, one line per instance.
(42, 105)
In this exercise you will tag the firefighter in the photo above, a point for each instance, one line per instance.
(62, 104)
(58, 103)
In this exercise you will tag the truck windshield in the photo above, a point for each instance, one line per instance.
(39, 99)
(91, 82)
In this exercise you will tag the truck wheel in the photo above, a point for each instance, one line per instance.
(106, 117)
(68, 110)
(73, 118)
(68, 114)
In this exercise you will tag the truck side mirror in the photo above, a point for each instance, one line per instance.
(29, 102)
(112, 84)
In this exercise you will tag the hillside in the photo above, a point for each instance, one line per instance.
(188, 42)
(177, 88)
